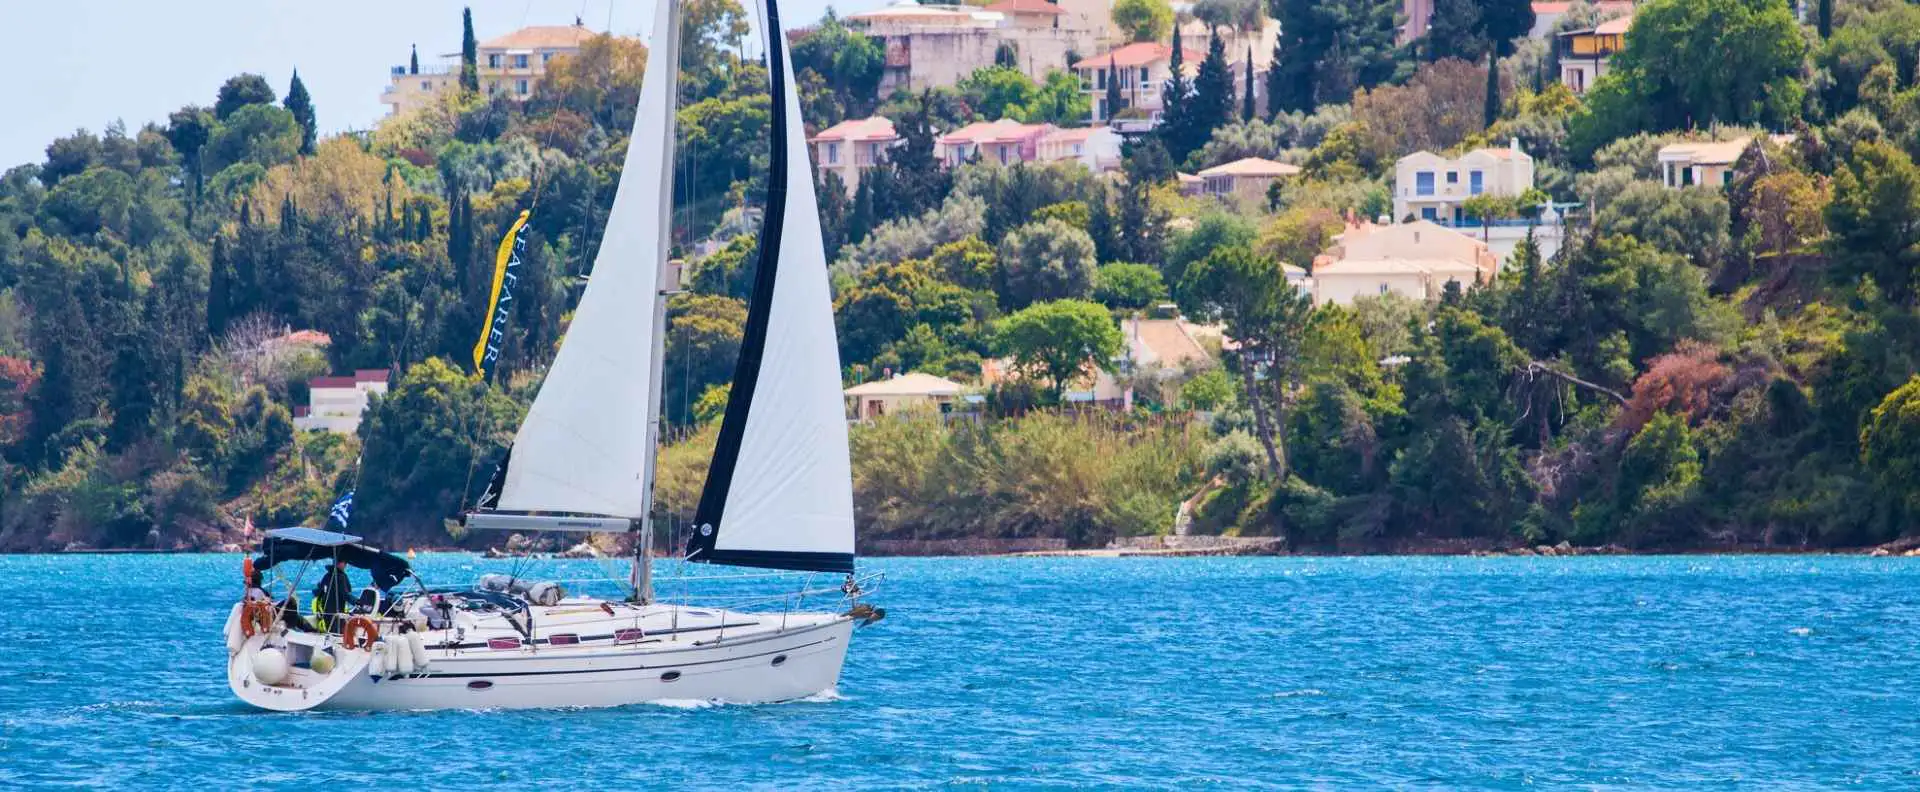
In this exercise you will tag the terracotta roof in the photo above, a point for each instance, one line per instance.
(873, 128)
(330, 382)
(370, 375)
(1072, 135)
(1003, 130)
(1394, 267)
(1026, 7)
(306, 338)
(1165, 341)
(914, 384)
(1724, 152)
(1615, 26)
(1251, 166)
(1604, 6)
(915, 13)
(541, 37)
(1139, 53)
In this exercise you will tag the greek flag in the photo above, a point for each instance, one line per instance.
(342, 509)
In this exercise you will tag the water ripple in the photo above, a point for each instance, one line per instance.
(1075, 673)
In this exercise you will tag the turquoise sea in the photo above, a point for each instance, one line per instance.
(1232, 673)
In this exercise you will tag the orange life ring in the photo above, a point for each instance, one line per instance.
(256, 618)
(246, 570)
(352, 636)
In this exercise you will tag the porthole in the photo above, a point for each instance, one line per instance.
(479, 684)
(669, 676)
(779, 659)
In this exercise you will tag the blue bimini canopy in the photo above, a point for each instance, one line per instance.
(313, 536)
(314, 544)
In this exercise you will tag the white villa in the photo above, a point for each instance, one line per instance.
(335, 404)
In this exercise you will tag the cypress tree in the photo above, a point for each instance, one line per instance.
(1175, 120)
(300, 104)
(1212, 104)
(1826, 19)
(219, 287)
(413, 61)
(1246, 105)
(1493, 90)
(469, 53)
(1114, 101)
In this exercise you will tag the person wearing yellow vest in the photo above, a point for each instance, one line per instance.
(331, 596)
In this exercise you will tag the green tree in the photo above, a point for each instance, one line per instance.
(1328, 48)
(1059, 340)
(998, 92)
(189, 129)
(1455, 31)
(1890, 444)
(1143, 20)
(1267, 316)
(1115, 102)
(1212, 104)
(1655, 82)
(1043, 261)
(425, 444)
(241, 91)
(1875, 219)
(1058, 100)
(1128, 287)
(301, 106)
(469, 53)
(1246, 100)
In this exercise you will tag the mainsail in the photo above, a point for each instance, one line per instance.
(779, 493)
(586, 444)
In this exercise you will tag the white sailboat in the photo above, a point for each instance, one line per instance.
(778, 495)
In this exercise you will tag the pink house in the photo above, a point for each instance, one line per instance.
(1005, 141)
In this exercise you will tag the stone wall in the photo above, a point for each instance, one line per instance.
(958, 547)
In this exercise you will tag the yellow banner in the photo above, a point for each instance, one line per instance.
(506, 259)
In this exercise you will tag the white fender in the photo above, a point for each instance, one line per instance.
(403, 653)
(376, 666)
(418, 643)
(235, 638)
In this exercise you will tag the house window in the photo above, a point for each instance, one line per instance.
(545, 58)
(426, 85)
(1100, 79)
(1100, 110)
(1076, 148)
(1429, 213)
(833, 153)
(1726, 178)
(873, 153)
(493, 60)
(1453, 177)
(1686, 177)
(521, 87)
(519, 61)
(1476, 182)
(1143, 75)
(1423, 183)
(1383, 287)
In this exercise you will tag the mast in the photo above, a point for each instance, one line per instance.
(666, 54)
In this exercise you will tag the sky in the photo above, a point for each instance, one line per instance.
(86, 63)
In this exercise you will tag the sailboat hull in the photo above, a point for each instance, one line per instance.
(796, 660)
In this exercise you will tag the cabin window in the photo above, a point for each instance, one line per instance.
(669, 676)
(564, 639)
(779, 659)
(479, 684)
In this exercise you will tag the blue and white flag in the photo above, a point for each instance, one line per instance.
(342, 509)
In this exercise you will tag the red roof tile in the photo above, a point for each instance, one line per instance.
(1139, 53)
(1026, 7)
